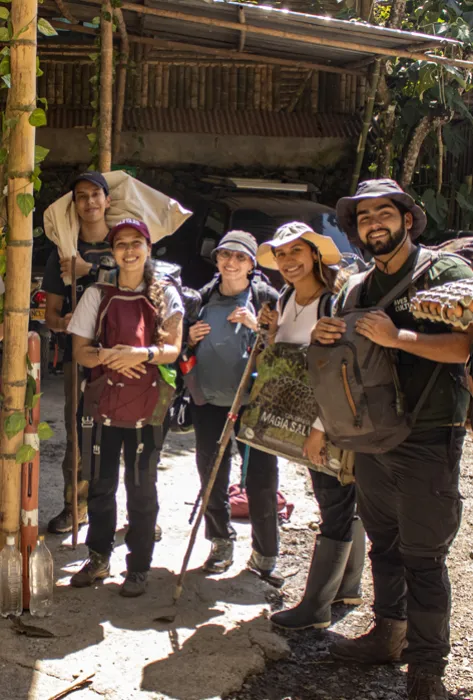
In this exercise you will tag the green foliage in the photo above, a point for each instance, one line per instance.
(45, 431)
(38, 117)
(26, 203)
(25, 454)
(45, 28)
(14, 424)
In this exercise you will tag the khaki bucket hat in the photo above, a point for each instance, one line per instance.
(372, 189)
(328, 251)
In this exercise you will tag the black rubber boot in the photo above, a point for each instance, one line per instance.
(325, 575)
(350, 588)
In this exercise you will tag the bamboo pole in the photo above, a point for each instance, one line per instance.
(360, 152)
(19, 253)
(121, 81)
(106, 90)
(292, 36)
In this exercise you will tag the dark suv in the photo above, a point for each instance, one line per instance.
(255, 212)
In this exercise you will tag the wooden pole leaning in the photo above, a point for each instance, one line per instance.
(106, 89)
(74, 403)
(169, 615)
(19, 253)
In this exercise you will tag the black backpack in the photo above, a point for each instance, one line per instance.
(355, 381)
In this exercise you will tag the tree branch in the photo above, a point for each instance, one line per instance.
(65, 12)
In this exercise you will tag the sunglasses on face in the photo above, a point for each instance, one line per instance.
(228, 254)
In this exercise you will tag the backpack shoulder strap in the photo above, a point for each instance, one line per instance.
(424, 260)
(325, 305)
(207, 291)
(353, 289)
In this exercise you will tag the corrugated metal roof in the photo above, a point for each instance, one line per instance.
(219, 22)
(240, 123)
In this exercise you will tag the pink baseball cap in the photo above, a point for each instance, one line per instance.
(139, 226)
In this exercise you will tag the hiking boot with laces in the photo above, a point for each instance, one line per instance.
(265, 568)
(62, 522)
(220, 558)
(424, 684)
(383, 644)
(96, 568)
(134, 584)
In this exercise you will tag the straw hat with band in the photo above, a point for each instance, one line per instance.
(328, 252)
(238, 242)
(374, 189)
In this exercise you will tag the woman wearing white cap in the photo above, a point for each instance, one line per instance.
(222, 339)
(305, 259)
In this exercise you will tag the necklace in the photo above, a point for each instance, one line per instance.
(303, 306)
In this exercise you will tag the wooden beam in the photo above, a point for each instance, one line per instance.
(220, 53)
(292, 36)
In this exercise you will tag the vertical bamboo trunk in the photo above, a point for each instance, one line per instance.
(19, 250)
(360, 153)
(106, 90)
(121, 82)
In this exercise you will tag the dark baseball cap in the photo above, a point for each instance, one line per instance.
(91, 176)
(139, 226)
(239, 242)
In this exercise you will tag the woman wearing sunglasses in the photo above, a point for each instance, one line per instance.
(222, 339)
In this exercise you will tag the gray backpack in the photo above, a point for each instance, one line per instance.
(355, 381)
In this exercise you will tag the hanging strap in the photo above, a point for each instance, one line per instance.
(139, 451)
(87, 425)
(425, 393)
(244, 467)
(97, 449)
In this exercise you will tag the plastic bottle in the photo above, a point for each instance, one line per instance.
(11, 591)
(41, 580)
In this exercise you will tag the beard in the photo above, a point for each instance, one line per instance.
(388, 245)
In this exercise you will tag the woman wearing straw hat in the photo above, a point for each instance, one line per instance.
(306, 261)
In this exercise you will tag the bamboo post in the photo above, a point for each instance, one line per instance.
(75, 396)
(106, 89)
(19, 254)
(121, 82)
(360, 151)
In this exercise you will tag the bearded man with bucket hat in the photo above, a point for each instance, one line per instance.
(408, 497)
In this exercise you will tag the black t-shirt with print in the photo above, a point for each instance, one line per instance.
(53, 284)
(448, 401)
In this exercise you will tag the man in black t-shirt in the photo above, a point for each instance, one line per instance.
(91, 197)
(408, 498)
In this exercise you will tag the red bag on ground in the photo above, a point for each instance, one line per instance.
(240, 509)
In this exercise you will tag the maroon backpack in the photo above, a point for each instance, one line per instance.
(110, 398)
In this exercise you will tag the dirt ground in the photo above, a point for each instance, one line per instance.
(221, 644)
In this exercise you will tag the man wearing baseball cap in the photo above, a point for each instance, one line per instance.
(408, 497)
(91, 196)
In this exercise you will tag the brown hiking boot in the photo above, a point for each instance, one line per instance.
(62, 522)
(96, 568)
(383, 644)
(423, 684)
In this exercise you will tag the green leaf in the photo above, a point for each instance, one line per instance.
(14, 424)
(7, 80)
(40, 154)
(94, 56)
(45, 431)
(107, 16)
(29, 366)
(36, 398)
(10, 123)
(44, 101)
(92, 138)
(30, 391)
(5, 68)
(45, 28)
(26, 203)
(4, 13)
(38, 231)
(4, 34)
(38, 117)
(3, 156)
(25, 454)
(95, 20)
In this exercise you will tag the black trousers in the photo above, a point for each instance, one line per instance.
(410, 505)
(141, 493)
(337, 506)
(261, 483)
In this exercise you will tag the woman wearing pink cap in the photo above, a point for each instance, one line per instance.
(121, 333)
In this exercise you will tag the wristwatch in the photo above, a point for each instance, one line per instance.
(150, 355)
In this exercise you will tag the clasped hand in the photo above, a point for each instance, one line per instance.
(125, 359)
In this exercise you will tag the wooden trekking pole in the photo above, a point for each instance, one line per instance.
(222, 445)
(75, 452)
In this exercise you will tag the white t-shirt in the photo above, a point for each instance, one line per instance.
(85, 316)
(295, 325)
